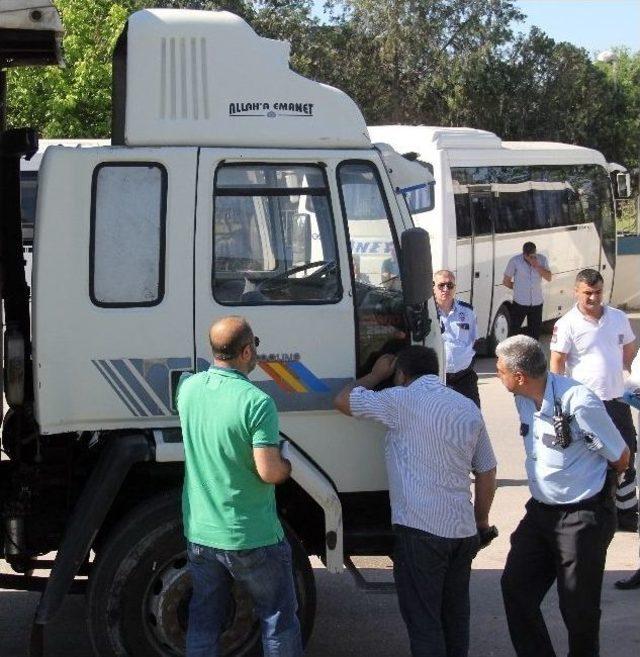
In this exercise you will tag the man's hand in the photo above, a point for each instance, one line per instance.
(622, 463)
(384, 367)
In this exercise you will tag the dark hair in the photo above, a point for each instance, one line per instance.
(528, 248)
(589, 276)
(238, 340)
(417, 361)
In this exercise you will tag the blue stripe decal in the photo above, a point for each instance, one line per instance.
(108, 366)
(136, 387)
(123, 399)
(307, 376)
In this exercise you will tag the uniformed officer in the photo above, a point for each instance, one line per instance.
(459, 329)
(593, 343)
(523, 275)
(571, 444)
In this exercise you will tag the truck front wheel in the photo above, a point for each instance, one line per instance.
(140, 588)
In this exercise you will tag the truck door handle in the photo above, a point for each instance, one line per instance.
(477, 274)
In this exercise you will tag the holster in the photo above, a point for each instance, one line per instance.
(610, 485)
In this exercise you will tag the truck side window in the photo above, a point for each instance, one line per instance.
(274, 241)
(128, 210)
(378, 291)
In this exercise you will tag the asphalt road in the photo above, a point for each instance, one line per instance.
(351, 623)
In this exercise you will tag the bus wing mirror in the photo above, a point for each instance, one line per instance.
(417, 275)
(623, 185)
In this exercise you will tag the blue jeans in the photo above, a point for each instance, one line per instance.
(267, 573)
(432, 578)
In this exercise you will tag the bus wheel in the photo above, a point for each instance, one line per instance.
(139, 590)
(499, 329)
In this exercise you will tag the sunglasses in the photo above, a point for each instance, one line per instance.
(256, 342)
(448, 286)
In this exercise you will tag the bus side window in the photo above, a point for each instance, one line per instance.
(463, 215)
(514, 206)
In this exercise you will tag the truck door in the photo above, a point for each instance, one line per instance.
(377, 292)
(481, 204)
(270, 246)
(113, 285)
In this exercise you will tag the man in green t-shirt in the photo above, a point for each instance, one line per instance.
(232, 463)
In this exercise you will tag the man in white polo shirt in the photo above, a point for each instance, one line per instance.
(593, 343)
(523, 275)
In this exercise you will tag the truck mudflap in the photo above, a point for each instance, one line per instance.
(168, 447)
(115, 461)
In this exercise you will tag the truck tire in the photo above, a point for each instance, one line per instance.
(500, 329)
(139, 590)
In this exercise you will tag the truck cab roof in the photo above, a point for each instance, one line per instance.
(202, 78)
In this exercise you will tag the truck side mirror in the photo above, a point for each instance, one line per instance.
(417, 271)
(623, 185)
(417, 276)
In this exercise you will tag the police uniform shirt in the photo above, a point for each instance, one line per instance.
(566, 476)
(527, 282)
(459, 333)
(594, 349)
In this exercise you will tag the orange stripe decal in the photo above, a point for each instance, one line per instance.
(266, 367)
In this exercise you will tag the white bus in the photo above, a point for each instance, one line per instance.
(29, 190)
(491, 196)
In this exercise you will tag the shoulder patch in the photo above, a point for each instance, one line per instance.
(464, 304)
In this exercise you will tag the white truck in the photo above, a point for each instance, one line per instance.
(232, 185)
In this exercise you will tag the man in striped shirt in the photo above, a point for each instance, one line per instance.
(435, 438)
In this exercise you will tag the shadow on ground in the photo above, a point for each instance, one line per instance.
(352, 623)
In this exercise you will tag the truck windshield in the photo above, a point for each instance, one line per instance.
(274, 240)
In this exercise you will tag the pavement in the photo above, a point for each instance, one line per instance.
(352, 623)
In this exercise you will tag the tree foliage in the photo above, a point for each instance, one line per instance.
(437, 62)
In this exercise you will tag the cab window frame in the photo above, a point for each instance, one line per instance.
(162, 239)
(394, 236)
(323, 192)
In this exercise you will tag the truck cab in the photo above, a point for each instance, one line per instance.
(231, 186)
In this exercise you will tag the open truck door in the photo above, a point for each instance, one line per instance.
(30, 34)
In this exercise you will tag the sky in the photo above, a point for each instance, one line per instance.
(596, 25)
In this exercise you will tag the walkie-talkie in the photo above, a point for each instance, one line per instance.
(561, 423)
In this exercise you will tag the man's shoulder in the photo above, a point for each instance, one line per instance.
(190, 380)
(568, 318)
(464, 304)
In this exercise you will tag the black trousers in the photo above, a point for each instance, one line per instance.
(567, 544)
(534, 320)
(466, 383)
(620, 413)
(432, 579)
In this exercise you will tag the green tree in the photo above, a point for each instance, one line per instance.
(74, 101)
(405, 49)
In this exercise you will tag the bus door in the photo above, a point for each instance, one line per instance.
(482, 256)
